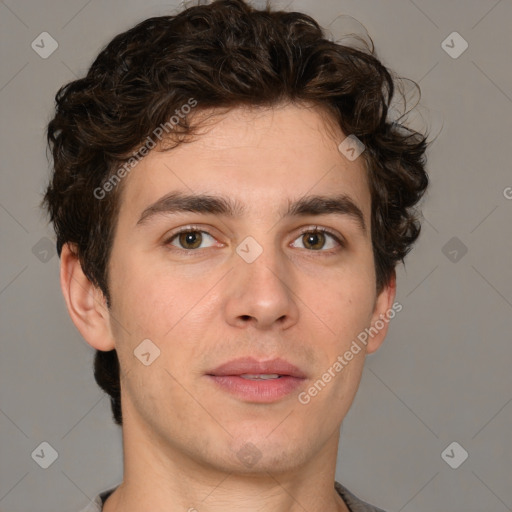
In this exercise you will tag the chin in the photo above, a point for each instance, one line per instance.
(260, 454)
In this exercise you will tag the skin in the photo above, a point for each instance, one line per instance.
(204, 307)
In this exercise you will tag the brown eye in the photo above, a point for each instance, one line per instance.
(190, 239)
(319, 240)
(313, 240)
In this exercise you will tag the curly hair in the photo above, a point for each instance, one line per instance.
(224, 55)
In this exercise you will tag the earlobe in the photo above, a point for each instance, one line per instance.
(383, 313)
(85, 302)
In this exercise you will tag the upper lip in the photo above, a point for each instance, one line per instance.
(253, 366)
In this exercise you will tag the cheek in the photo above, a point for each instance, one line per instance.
(141, 286)
(143, 306)
(346, 302)
(150, 303)
(346, 306)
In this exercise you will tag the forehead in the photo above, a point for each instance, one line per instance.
(256, 155)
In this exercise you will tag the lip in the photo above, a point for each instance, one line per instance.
(227, 377)
(253, 366)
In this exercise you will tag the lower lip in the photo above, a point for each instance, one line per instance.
(258, 390)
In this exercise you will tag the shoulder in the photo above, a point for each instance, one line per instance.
(96, 505)
(353, 502)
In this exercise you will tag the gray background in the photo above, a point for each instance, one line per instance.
(442, 375)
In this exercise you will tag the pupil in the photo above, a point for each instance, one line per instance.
(313, 238)
(191, 239)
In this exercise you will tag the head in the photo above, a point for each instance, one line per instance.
(224, 100)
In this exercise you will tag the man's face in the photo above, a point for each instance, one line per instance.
(208, 297)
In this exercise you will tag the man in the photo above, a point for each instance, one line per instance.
(230, 202)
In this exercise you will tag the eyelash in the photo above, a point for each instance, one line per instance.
(316, 229)
(324, 231)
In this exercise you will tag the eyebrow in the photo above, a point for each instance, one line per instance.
(178, 202)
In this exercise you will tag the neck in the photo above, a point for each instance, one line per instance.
(157, 476)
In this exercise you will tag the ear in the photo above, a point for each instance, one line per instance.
(86, 303)
(383, 312)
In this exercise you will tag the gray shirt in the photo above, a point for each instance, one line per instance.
(353, 503)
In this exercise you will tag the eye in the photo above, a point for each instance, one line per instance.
(315, 239)
(190, 239)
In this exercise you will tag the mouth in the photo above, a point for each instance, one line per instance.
(257, 381)
(261, 377)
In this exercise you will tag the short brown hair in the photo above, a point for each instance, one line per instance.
(225, 54)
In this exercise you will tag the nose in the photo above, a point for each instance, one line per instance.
(261, 293)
